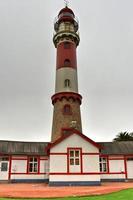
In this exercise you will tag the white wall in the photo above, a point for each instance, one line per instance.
(116, 166)
(19, 166)
(74, 178)
(58, 163)
(112, 176)
(90, 163)
(66, 73)
(130, 169)
(75, 141)
(44, 166)
(28, 176)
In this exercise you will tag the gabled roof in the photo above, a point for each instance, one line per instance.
(73, 131)
(22, 148)
(117, 148)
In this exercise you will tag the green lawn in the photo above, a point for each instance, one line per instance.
(122, 195)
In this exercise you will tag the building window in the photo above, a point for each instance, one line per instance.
(67, 63)
(33, 165)
(4, 159)
(67, 83)
(67, 109)
(67, 45)
(4, 166)
(103, 164)
(74, 157)
(130, 159)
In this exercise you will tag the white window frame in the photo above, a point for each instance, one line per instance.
(103, 164)
(74, 157)
(34, 163)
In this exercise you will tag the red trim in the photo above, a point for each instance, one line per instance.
(27, 165)
(90, 154)
(66, 95)
(84, 173)
(67, 160)
(116, 158)
(10, 166)
(79, 173)
(19, 158)
(129, 156)
(108, 169)
(74, 131)
(38, 165)
(112, 172)
(125, 165)
(58, 154)
(21, 173)
(116, 155)
(81, 160)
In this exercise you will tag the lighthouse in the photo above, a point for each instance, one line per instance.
(66, 100)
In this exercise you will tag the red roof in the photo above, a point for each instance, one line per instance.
(66, 10)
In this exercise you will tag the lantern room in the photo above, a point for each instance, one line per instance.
(66, 15)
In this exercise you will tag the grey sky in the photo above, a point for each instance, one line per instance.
(27, 67)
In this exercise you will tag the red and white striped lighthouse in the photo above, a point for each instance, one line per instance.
(66, 99)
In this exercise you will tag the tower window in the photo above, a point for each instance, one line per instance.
(67, 63)
(67, 83)
(67, 45)
(67, 109)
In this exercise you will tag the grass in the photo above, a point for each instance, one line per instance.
(122, 195)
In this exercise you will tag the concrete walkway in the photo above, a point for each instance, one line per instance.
(43, 190)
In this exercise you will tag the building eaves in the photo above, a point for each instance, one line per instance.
(117, 148)
(22, 148)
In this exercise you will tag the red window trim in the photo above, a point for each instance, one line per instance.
(10, 167)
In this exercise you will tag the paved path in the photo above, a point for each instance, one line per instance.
(42, 190)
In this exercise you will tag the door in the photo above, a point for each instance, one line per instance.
(130, 168)
(74, 160)
(4, 168)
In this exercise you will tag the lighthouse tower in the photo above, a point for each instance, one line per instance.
(66, 100)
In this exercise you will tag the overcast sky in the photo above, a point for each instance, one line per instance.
(27, 67)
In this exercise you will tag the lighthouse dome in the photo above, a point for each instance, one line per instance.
(66, 14)
(66, 10)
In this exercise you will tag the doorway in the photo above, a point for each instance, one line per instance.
(4, 168)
